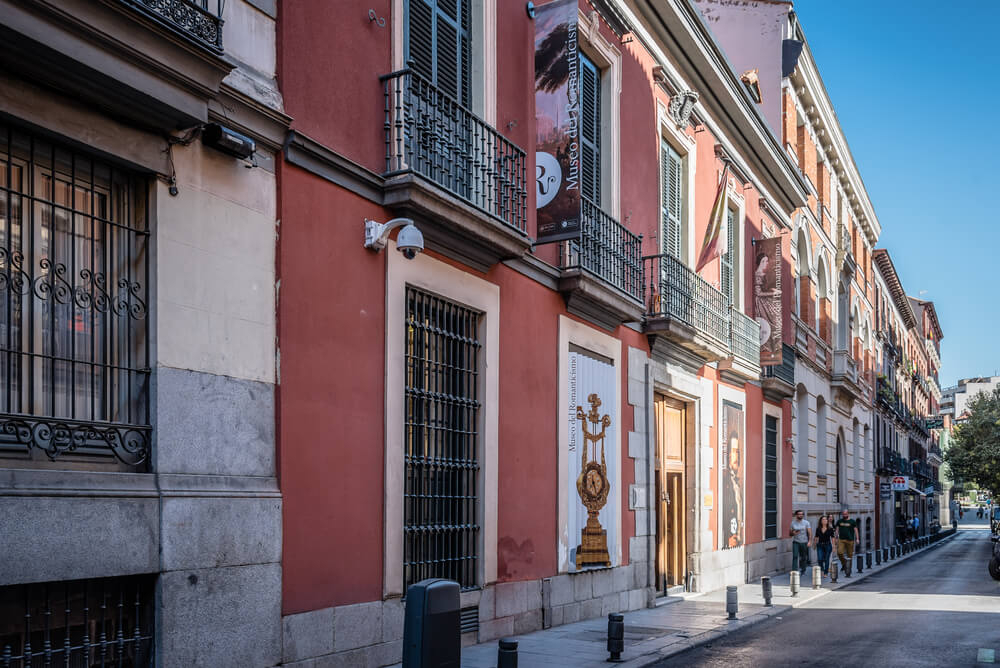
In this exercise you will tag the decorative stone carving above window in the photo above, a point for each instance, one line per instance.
(681, 106)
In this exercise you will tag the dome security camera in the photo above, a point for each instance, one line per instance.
(410, 241)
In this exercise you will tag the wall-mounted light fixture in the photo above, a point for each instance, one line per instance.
(230, 142)
(410, 241)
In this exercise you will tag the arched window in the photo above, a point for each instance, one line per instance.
(802, 425)
(840, 488)
(843, 322)
(858, 454)
(802, 270)
(821, 427)
(822, 291)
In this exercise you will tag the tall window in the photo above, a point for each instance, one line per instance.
(727, 274)
(821, 449)
(802, 424)
(441, 433)
(671, 200)
(438, 46)
(590, 130)
(74, 346)
(770, 477)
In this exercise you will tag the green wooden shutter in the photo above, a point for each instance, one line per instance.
(438, 46)
(728, 288)
(590, 130)
(671, 201)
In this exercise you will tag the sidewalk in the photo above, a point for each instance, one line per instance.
(676, 625)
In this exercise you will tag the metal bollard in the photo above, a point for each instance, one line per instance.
(765, 590)
(860, 559)
(616, 637)
(868, 560)
(732, 602)
(817, 577)
(793, 582)
(878, 557)
(507, 653)
(834, 568)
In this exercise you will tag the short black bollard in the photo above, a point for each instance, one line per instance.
(868, 560)
(616, 637)
(765, 590)
(507, 653)
(860, 558)
(732, 603)
(878, 557)
(834, 568)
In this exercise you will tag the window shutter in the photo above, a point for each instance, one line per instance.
(727, 257)
(438, 46)
(671, 200)
(590, 130)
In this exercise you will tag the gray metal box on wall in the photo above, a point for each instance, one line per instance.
(431, 630)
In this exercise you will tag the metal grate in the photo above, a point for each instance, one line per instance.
(744, 336)
(606, 249)
(74, 340)
(441, 436)
(428, 132)
(770, 477)
(80, 623)
(197, 20)
(469, 619)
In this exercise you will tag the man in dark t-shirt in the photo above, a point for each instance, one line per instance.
(847, 536)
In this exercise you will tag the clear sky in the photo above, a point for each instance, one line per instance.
(914, 84)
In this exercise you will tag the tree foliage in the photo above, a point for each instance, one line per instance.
(974, 452)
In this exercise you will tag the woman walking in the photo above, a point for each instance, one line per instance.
(824, 543)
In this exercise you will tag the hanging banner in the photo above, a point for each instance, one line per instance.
(557, 122)
(592, 463)
(767, 299)
(732, 476)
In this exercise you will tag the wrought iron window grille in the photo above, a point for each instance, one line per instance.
(429, 133)
(74, 340)
(105, 622)
(196, 20)
(441, 441)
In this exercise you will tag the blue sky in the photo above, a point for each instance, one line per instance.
(915, 88)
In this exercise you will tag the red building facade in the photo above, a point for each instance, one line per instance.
(566, 429)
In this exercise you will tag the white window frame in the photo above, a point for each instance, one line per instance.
(685, 146)
(775, 412)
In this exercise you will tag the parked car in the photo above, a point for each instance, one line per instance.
(994, 565)
(995, 524)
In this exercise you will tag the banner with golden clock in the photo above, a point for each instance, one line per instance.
(593, 460)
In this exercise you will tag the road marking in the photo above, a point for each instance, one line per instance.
(986, 656)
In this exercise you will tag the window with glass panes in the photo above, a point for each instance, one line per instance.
(671, 168)
(74, 339)
(438, 45)
(727, 274)
(590, 130)
(770, 477)
(441, 440)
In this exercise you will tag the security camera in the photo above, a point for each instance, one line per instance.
(410, 241)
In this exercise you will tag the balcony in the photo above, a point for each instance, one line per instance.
(154, 63)
(687, 320)
(744, 346)
(462, 179)
(778, 382)
(602, 271)
(844, 378)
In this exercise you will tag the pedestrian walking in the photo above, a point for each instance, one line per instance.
(824, 542)
(916, 526)
(801, 532)
(847, 536)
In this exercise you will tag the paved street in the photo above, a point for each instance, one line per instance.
(940, 608)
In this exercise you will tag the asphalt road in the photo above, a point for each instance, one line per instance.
(938, 608)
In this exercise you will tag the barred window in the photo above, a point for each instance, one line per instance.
(441, 436)
(74, 340)
(105, 622)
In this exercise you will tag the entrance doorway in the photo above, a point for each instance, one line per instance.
(671, 548)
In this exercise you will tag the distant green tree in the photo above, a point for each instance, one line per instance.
(974, 452)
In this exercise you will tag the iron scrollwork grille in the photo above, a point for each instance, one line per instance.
(197, 20)
(74, 271)
(105, 622)
(442, 440)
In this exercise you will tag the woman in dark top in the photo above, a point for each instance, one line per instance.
(824, 543)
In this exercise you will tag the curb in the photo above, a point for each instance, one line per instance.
(708, 636)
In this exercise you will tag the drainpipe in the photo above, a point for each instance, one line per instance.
(650, 490)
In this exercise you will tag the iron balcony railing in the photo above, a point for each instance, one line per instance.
(744, 336)
(606, 249)
(196, 20)
(677, 292)
(784, 371)
(427, 132)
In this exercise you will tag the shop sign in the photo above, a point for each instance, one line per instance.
(885, 491)
(900, 483)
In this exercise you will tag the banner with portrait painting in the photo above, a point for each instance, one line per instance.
(557, 122)
(733, 453)
(767, 299)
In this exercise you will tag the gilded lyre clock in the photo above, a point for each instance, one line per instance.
(593, 487)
